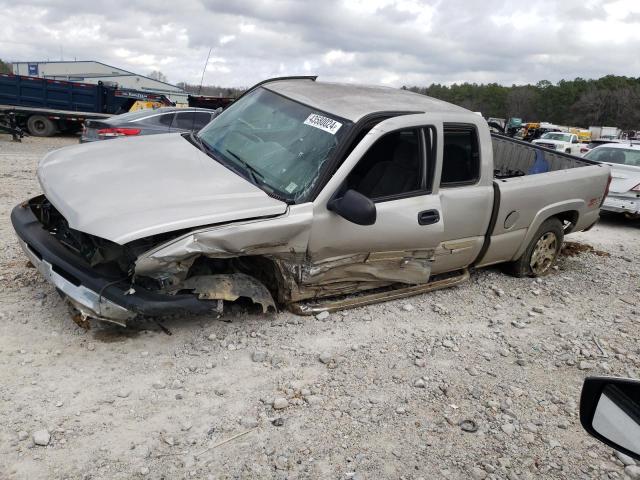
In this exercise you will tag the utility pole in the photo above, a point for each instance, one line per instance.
(204, 70)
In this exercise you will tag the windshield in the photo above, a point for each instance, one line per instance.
(621, 156)
(279, 144)
(563, 137)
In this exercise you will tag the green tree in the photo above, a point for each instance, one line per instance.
(5, 67)
(610, 100)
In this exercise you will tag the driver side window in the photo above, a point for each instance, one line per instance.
(391, 168)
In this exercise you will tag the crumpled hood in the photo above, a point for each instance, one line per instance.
(126, 189)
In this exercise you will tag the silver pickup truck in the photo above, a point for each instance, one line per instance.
(302, 194)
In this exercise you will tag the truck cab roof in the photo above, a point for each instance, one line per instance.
(353, 102)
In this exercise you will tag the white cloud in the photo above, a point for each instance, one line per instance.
(247, 27)
(333, 57)
(392, 42)
(226, 39)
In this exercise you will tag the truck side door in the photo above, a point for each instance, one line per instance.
(466, 194)
(394, 166)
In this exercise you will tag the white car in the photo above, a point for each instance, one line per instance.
(624, 191)
(561, 141)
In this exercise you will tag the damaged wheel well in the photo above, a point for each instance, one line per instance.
(569, 219)
(263, 269)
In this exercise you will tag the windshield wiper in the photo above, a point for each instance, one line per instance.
(204, 146)
(195, 139)
(256, 176)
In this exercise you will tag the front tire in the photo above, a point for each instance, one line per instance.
(542, 251)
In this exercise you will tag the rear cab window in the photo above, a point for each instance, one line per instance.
(461, 156)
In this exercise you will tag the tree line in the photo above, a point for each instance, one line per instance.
(211, 90)
(610, 100)
(4, 67)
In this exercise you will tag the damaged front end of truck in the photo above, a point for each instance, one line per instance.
(178, 272)
(261, 262)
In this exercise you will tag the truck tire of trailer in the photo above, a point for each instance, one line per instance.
(41, 126)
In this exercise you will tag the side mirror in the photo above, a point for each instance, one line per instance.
(610, 411)
(354, 207)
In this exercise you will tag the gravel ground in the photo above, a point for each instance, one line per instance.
(387, 391)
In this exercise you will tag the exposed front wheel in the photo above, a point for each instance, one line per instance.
(542, 251)
(41, 126)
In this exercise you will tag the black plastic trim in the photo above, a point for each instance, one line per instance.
(276, 79)
(492, 224)
(428, 217)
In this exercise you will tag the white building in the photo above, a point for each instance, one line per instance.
(94, 72)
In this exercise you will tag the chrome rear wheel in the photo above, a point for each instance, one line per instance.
(544, 254)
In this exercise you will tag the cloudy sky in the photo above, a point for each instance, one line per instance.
(394, 42)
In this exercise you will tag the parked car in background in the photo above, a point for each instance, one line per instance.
(564, 142)
(587, 147)
(148, 122)
(298, 194)
(624, 191)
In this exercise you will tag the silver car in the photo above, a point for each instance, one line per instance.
(624, 191)
(147, 122)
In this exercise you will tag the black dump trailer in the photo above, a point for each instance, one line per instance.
(213, 103)
(44, 107)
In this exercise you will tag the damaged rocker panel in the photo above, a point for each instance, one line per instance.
(332, 305)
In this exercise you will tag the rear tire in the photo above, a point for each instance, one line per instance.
(542, 251)
(40, 126)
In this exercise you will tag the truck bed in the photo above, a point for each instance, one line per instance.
(515, 158)
(532, 184)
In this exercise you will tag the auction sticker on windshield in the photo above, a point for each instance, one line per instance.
(323, 123)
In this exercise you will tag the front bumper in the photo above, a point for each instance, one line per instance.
(621, 205)
(104, 298)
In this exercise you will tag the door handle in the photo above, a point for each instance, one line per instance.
(428, 217)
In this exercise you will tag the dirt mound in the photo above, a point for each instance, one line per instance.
(571, 249)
